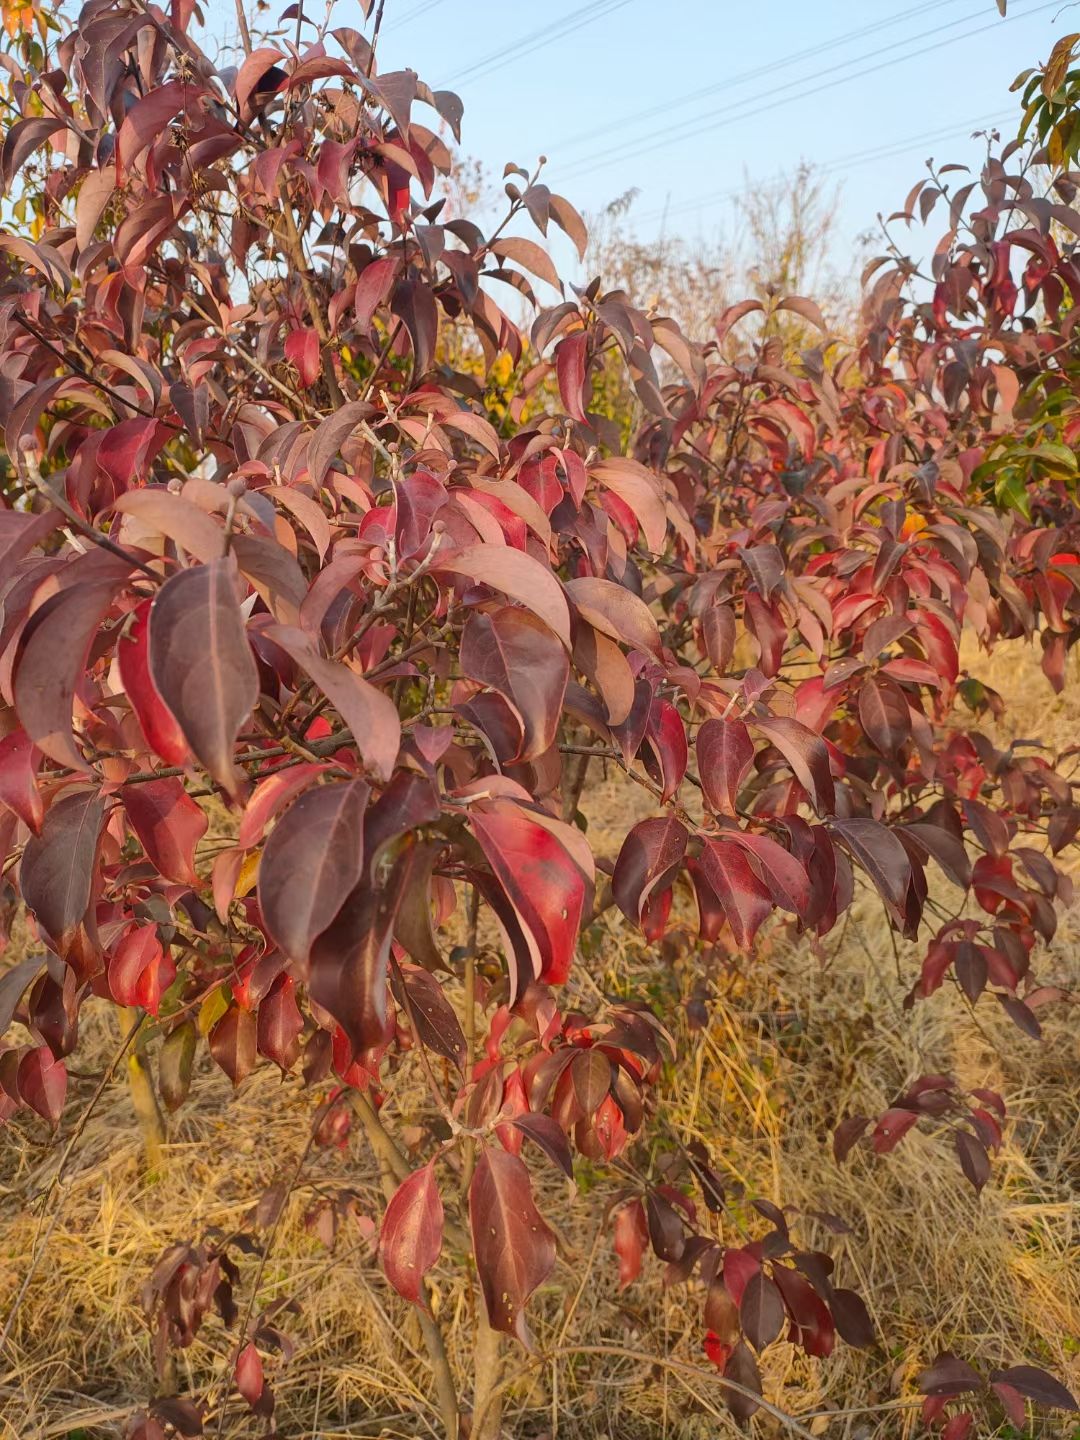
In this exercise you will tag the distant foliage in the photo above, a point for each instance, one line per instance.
(264, 540)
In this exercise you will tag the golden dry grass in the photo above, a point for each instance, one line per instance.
(793, 1041)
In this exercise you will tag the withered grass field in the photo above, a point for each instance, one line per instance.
(794, 1039)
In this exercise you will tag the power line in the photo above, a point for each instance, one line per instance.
(414, 13)
(752, 105)
(841, 162)
(665, 106)
(538, 39)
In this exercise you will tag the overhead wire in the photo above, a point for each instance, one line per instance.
(414, 12)
(538, 39)
(675, 102)
(840, 162)
(752, 106)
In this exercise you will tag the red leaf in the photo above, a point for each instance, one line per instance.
(249, 1374)
(412, 1233)
(744, 896)
(148, 118)
(19, 762)
(891, 1129)
(302, 349)
(570, 368)
(542, 881)
(514, 1248)
(168, 824)
(155, 719)
(518, 575)
(631, 1237)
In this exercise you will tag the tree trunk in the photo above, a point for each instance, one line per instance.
(487, 1370)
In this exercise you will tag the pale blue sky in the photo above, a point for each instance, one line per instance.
(685, 98)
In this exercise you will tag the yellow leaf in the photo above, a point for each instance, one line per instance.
(249, 873)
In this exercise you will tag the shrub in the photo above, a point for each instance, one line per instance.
(263, 544)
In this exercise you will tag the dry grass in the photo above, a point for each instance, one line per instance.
(794, 1040)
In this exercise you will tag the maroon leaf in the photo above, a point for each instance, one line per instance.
(949, 1375)
(233, 1043)
(514, 1249)
(884, 714)
(543, 1131)
(666, 1233)
(874, 847)
(742, 1368)
(847, 1135)
(57, 869)
(53, 654)
(421, 997)
(725, 754)
(414, 304)
(14, 984)
(201, 664)
(370, 715)
(279, 1023)
(514, 653)
(348, 968)
(311, 862)
(42, 1083)
(852, 1318)
(974, 1160)
(761, 1311)
(410, 1240)
(1036, 1385)
(648, 861)
(807, 755)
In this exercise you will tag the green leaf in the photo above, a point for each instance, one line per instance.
(1010, 493)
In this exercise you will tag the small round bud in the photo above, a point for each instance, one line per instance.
(237, 487)
(175, 485)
